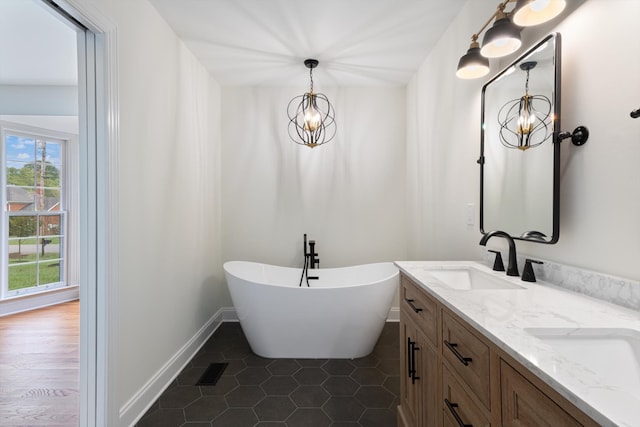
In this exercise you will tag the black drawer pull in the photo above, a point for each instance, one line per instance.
(451, 346)
(411, 356)
(452, 408)
(410, 302)
(414, 348)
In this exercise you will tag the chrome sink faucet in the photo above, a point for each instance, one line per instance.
(512, 268)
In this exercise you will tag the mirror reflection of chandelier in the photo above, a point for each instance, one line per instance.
(527, 121)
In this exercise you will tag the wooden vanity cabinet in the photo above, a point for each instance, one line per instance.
(452, 375)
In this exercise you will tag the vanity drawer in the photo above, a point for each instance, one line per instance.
(457, 406)
(468, 356)
(523, 404)
(420, 308)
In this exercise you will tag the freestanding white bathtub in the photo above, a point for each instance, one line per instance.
(339, 316)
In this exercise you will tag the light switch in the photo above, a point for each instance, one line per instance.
(471, 213)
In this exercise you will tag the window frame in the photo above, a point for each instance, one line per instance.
(69, 267)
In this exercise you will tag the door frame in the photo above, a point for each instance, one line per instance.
(99, 142)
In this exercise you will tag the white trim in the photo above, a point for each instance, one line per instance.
(229, 314)
(99, 215)
(394, 314)
(143, 399)
(38, 300)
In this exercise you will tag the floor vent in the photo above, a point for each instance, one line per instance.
(212, 374)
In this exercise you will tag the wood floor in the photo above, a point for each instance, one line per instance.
(39, 367)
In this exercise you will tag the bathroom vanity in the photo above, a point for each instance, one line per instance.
(481, 349)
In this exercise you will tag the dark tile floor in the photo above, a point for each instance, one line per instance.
(254, 391)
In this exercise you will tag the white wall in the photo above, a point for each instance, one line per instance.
(170, 279)
(600, 182)
(348, 195)
(39, 99)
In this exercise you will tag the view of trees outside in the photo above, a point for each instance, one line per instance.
(33, 171)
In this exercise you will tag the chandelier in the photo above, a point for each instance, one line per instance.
(311, 115)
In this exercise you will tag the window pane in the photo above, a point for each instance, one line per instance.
(22, 226)
(50, 225)
(22, 250)
(20, 199)
(49, 272)
(53, 154)
(50, 248)
(22, 276)
(20, 158)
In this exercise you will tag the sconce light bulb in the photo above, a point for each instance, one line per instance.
(472, 65)
(539, 5)
(502, 39)
(527, 13)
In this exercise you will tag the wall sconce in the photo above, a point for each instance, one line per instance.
(311, 116)
(579, 136)
(503, 38)
(526, 122)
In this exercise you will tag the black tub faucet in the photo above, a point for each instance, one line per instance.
(311, 260)
(512, 268)
(314, 261)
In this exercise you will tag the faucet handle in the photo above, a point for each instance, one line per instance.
(497, 263)
(527, 274)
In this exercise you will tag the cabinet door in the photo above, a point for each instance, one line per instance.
(427, 367)
(409, 396)
(523, 404)
(418, 377)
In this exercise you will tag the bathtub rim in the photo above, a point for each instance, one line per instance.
(396, 273)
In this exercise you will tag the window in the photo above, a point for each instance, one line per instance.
(35, 228)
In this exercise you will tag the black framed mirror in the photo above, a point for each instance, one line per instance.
(519, 156)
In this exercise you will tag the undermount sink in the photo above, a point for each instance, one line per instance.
(611, 353)
(468, 278)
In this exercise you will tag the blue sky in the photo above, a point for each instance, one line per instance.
(21, 150)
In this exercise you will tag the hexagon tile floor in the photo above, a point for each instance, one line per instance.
(254, 391)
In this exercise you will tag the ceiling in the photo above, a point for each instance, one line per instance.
(264, 42)
(250, 42)
(38, 47)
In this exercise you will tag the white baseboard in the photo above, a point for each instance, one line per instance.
(394, 314)
(139, 404)
(38, 300)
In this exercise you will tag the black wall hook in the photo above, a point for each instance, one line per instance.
(635, 114)
(579, 136)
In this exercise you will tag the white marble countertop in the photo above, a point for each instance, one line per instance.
(504, 315)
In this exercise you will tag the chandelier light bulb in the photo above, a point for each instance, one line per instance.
(527, 118)
(312, 118)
